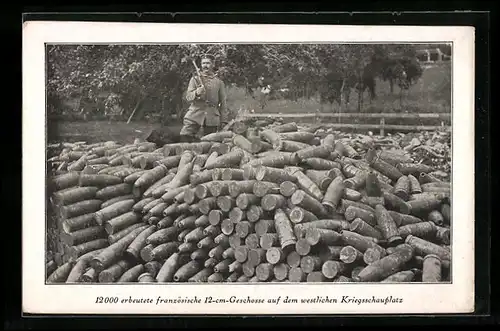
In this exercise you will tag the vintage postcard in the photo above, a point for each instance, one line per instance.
(247, 169)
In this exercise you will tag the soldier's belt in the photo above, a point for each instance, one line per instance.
(210, 104)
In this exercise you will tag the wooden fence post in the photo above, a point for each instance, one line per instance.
(382, 124)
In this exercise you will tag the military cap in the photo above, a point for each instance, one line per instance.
(208, 56)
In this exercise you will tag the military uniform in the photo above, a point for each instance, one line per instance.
(208, 110)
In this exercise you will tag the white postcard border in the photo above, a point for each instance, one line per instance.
(38, 297)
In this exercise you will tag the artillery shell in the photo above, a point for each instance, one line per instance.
(256, 256)
(334, 194)
(382, 166)
(120, 222)
(328, 237)
(404, 276)
(264, 226)
(344, 204)
(83, 235)
(248, 270)
(227, 227)
(353, 212)
(243, 229)
(264, 271)
(159, 252)
(235, 241)
(436, 217)
(78, 223)
(414, 185)
(386, 266)
(293, 259)
(152, 268)
(372, 185)
(242, 279)
(387, 226)
(404, 219)
(421, 230)
(255, 213)
(281, 270)
(228, 253)
(431, 269)
(300, 215)
(236, 215)
(359, 242)
(424, 247)
(187, 247)
(222, 240)
(232, 278)
(284, 230)
(135, 247)
(187, 271)
(274, 175)
(302, 247)
(234, 267)
(296, 275)
(269, 240)
(201, 276)
(446, 213)
(331, 269)
(357, 181)
(75, 252)
(365, 229)
(423, 206)
(395, 203)
(356, 270)
(373, 254)
(113, 238)
(223, 266)
(443, 235)
(414, 168)
(246, 200)
(342, 279)
(321, 178)
(351, 194)
(80, 208)
(275, 255)
(132, 274)
(302, 199)
(425, 178)
(113, 272)
(211, 263)
(332, 224)
(226, 203)
(287, 188)
(402, 188)
(241, 254)
(349, 255)
(273, 202)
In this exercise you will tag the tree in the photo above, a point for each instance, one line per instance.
(130, 74)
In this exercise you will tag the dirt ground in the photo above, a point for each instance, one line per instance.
(96, 131)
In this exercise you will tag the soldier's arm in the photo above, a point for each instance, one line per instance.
(223, 103)
(191, 90)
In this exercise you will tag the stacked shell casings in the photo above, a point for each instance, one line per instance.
(251, 204)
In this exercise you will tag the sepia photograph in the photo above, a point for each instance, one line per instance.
(230, 166)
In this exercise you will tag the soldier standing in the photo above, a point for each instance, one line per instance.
(207, 100)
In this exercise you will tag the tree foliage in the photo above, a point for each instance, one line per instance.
(126, 75)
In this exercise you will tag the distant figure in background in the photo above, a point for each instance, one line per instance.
(207, 98)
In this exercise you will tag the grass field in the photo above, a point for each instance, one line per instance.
(431, 94)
